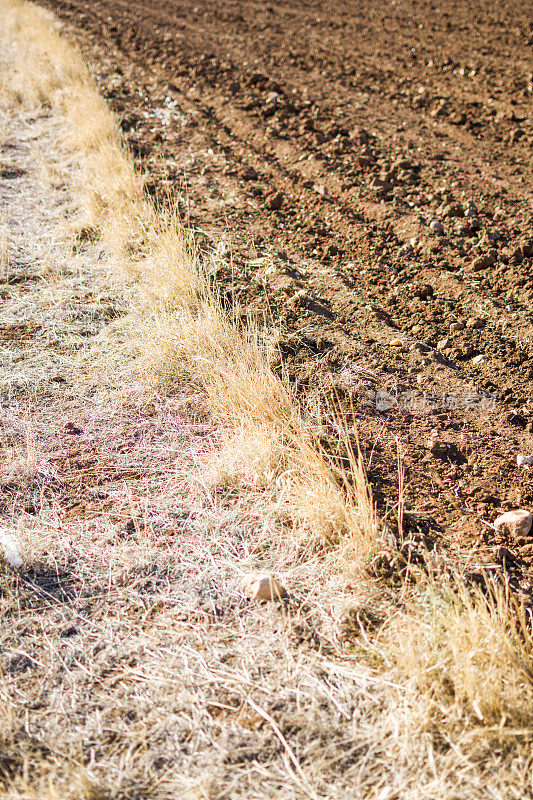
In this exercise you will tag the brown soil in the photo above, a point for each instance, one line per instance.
(319, 141)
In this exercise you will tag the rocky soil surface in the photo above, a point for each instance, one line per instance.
(364, 172)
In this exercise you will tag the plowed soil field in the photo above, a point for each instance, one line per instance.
(364, 171)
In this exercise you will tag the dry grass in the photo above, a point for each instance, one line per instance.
(185, 320)
(4, 253)
(45, 72)
(469, 649)
(444, 704)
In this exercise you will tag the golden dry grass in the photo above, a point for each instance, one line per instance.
(4, 253)
(184, 320)
(463, 656)
(471, 649)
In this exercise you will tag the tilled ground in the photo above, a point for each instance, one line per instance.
(364, 171)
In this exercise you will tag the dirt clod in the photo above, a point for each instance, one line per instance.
(275, 202)
(517, 523)
(263, 587)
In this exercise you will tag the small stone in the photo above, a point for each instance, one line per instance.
(457, 118)
(457, 326)
(273, 98)
(72, 429)
(275, 201)
(381, 185)
(395, 343)
(452, 210)
(443, 344)
(482, 262)
(402, 163)
(479, 359)
(299, 299)
(475, 322)
(424, 291)
(515, 135)
(9, 550)
(527, 247)
(419, 347)
(257, 77)
(524, 461)
(321, 189)
(446, 451)
(414, 241)
(250, 174)
(437, 227)
(517, 523)
(263, 587)
(477, 264)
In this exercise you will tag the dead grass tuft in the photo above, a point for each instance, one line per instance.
(470, 648)
(4, 253)
(46, 72)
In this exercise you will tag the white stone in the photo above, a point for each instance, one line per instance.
(479, 359)
(385, 401)
(262, 586)
(524, 461)
(9, 550)
(516, 522)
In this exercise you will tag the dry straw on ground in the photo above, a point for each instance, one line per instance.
(186, 321)
(443, 706)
